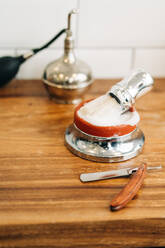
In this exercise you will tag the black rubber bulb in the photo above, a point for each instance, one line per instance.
(9, 66)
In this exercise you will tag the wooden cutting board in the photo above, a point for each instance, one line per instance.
(42, 201)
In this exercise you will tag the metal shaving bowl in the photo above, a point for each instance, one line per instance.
(100, 149)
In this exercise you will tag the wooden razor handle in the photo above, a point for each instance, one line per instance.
(130, 190)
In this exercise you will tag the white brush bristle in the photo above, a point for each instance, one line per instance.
(105, 111)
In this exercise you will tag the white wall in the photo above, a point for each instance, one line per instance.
(113, 36)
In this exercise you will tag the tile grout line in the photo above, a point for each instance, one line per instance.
(120, 47)
(132, 58)
(87, 47)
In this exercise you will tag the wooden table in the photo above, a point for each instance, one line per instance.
(42, 201)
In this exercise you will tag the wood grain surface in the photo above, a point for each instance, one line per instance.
(42, 201)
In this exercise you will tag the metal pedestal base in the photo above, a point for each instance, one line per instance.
(113, 149)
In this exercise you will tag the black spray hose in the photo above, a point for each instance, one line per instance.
(9, 66)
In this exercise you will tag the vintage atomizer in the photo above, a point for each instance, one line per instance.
(68, 78)
(114, 148)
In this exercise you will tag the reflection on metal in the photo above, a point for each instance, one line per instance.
(100, 149)
(131, 88)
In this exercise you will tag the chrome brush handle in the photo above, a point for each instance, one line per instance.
(126, 91)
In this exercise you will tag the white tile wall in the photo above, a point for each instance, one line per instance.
(113, 36)
(122, 23)
(34, 67)
(152, 60)
(30, 23)
(107, 63)
(7, 52)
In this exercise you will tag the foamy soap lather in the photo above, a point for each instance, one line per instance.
(103, 117)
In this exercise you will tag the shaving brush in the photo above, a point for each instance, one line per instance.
(106, 129)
